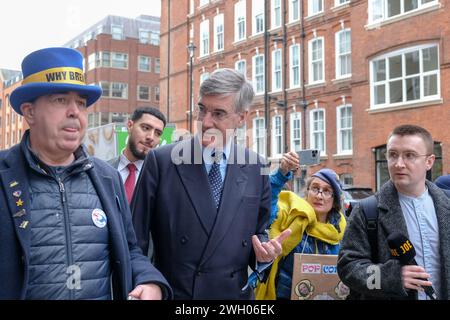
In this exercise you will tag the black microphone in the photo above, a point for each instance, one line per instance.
(403, 250)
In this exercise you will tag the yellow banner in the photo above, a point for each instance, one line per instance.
(57, 75)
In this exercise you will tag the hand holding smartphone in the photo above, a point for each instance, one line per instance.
(309, 157)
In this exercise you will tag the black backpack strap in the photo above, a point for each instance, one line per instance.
(370, 211)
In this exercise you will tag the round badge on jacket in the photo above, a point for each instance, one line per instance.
(99, 218)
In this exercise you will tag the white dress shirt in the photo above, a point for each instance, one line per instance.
(123, 169)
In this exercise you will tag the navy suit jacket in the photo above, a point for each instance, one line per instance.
(204, 254)
(130, 267)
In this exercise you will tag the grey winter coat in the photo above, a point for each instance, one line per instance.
(354, 262)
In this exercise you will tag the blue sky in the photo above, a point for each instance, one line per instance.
(30, 25)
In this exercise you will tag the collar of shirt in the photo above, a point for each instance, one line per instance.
(422, 197)
(208, 159)
(207, 154)
(123, 162)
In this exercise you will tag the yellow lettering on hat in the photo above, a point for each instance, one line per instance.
(57, 75)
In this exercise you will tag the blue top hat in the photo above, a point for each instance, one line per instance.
(52, 70)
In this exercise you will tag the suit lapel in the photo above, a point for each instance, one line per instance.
(391, 217)
(193, 175)
(233, 190)
(392, 220)
(16, 188)
(196, 184)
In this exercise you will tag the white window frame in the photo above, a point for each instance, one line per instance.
(341, 130)
(275, 18)
(91, 61)
(219, 37)
(106, 88)
(119, 58)
(294, 68)
(387, 81)
(259, 75)
(277, 136)
(240, 19)
(277, 73)
(149, 90)
(344, 177)
(311, 61)
(312, 10)
(259, 136)
(157, 95)
(292, 12)
(382, 12)
(341, 55)
(313, 131)
(191, 6)
(157, 65)
(202, 3)
(124, 90)
(114, 28)
(154, 38)
(238, 66)
(257, 11)
(103, 59)
(144, 36)
(296, 117)
(338, 3)
(204, 38)
(149, 60)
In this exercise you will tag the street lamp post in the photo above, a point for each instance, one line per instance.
(191, 48)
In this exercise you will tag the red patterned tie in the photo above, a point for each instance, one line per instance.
(131, 181)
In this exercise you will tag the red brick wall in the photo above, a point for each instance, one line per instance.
(369, 130)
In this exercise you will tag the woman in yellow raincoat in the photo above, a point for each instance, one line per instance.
(317, 226)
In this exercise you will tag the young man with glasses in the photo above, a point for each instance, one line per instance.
(206, 202)
(410, 205)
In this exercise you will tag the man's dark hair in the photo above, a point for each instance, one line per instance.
(413, 130)
(137, 114)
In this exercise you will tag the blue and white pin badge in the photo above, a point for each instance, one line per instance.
(17, 193)
(99, 218)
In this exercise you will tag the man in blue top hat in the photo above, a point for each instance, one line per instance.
(65, 223)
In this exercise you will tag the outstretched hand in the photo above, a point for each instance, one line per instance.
(268, 251)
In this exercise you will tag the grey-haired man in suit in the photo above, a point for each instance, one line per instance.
(206, 203)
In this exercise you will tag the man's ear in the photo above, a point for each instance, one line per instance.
(28, 111)
(242, 118)
(129, 125)
(430, 161)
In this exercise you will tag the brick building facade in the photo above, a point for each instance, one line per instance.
(12, 125)
(122, 56)
(336, 75)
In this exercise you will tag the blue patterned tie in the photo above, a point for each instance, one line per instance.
(215, 179)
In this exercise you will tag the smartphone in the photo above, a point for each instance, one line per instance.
(309, 157)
